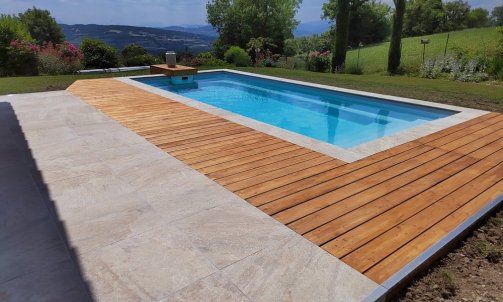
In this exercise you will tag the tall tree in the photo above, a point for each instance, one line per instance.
(423, 17)
(341, 35)
(369, 20)
(43, 28)
(477, 17)
(395, 51)
(456, 14)
(238, 21)
(497, 15)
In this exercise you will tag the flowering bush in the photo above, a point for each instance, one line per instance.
(22, 58)
(60, 59)
(266, 59)
(458, 69)
(318, 61)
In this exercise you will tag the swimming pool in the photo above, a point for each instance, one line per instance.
(342, 119)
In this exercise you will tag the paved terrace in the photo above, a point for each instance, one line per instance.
(135, 222)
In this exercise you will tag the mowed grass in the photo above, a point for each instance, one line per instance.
(485, 96)
(10, 85)
(374, 58)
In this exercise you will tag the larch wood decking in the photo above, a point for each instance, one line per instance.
(376, 214)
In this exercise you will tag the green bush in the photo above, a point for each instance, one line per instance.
(97, 54)
(136, 55)
(318, 62)
(209, 59)
(11, 29)
(238, 56)
(495, 68)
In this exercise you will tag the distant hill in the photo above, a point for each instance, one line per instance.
(206, 30)
(155, 40)
(311, 28)
(304, 29)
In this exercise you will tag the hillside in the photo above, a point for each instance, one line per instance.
(205, 30)
(311, 28)
(155, 40)
(374, 58)
(302, 30)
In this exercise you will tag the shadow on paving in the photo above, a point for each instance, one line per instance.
(37, 262)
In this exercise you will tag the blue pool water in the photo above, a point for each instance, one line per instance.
(341, 119)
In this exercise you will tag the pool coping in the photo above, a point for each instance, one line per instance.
(345, 154)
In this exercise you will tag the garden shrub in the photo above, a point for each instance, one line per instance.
(60, 59)
(458, 68)
(97, 54)
(11, 29)
(238, 56)
(203, 59)
(22, 58)
(136, 55)
(318, 61)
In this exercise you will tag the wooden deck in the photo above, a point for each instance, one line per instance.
(376, 214)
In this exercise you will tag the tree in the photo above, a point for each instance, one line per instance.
(456, 14)
(97, 54)
(478, 17)
(238, 21)
(369, 20)
(341, 36)
(42, 27)
(497, 15)
(395, 51)
(423, 17)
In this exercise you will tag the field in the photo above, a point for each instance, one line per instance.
(374, 58)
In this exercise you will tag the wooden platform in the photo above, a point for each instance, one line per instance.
(179, 70)
(376, 214)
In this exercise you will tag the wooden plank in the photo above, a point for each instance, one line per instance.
(265, 162)
(267, 169)
(323, 225)
(390, 241)
(253, 152)
(253, 186)
(361, 235)
(404, 255)
(262, 142)
(345, 178)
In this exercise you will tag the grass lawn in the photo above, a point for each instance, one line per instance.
(48, 83)
(487, 96)
(374, 58)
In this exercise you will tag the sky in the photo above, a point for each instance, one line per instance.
(154, 12)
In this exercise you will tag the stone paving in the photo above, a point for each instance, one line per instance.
(90, 211)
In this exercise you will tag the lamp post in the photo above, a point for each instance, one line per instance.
(360, 45)
(424, 42)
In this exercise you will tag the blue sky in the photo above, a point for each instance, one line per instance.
(153, 12)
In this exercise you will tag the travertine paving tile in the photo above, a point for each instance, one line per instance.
(231, 232)
(147, 267)
(214, 288)
(296, 270)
